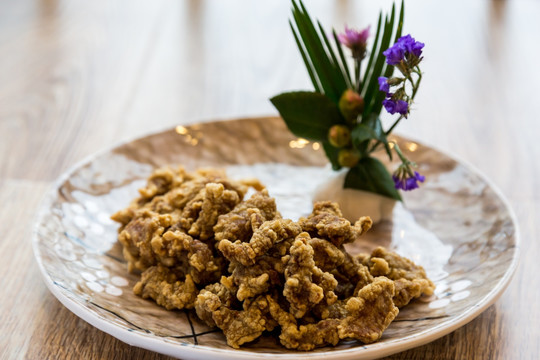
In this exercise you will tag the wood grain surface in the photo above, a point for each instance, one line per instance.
(80, 76)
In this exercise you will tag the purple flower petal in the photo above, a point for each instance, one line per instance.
(410, 184)
(353, 38)
(398, 183)
(390, 105)
(406, 182)
(383, 85)
(402, 107)
(406, 45)
(394, 54)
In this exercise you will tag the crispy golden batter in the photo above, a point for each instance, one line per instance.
(137, 235)
(326, 221)
(363, 317)
(246, 217)
(245, 270)
(369, 312)
(326, 255)
(262, 240)
(163, 285)
(410, 279)
(178, 249)
(305, 284)
(211, 298)
(238, 326)
(201, 213)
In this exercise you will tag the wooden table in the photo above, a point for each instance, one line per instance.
(79, 76)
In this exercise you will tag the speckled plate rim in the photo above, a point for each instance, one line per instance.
(189, 351)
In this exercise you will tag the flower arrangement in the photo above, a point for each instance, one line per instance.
(343, 113)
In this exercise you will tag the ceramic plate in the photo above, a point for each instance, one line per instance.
(457, 226)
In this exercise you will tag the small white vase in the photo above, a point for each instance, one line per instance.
(354, 203)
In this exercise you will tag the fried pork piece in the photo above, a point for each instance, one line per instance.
(264, 238)
(305, 284)
(211, 298)
(265, 274)
(194, 257)
(165, 287)
(326, 255)
(137, 235)
(246, 217)
(302, 337)
(410, 279)
(257, 271)
(169, 189)
(363, 317)
(175, 200)
(238, 326)
(178, 197)
(370, 312)
(201, 213)
(351, 274)
(327, 222)
(161, 181)
(256, 279)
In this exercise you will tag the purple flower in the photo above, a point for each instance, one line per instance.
(394, 54)
(411, 46)
(403, 48)
(396, 106)
(355, 40)
(383, 85)
(408, 183)
(352, 37)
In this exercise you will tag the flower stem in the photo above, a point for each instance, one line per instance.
(417, 85)
(357, 74)
(387, 132)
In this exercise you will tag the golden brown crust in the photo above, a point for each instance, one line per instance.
(410, 279)
(163, 285)
(245, 270)
(263, 239)
(326, 221)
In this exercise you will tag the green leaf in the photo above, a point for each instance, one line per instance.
(308, 114)
(331, 77)
(361, 133)
(373, 51)
(332, 155)
(330, 51)
(371, 175)
(372, 89)
(344, 63)
(307, 62)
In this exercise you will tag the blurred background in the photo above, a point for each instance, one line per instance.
(77, 77)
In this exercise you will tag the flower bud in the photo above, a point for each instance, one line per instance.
(351, 104)
(393, 81)
(348, 157)
(339, 136)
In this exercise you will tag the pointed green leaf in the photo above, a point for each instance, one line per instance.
(330, 75)
(344, 63)
(371, 175)
(372, 89)
(308, 114)
(329, 50)
(307, 62)
(373, 53)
